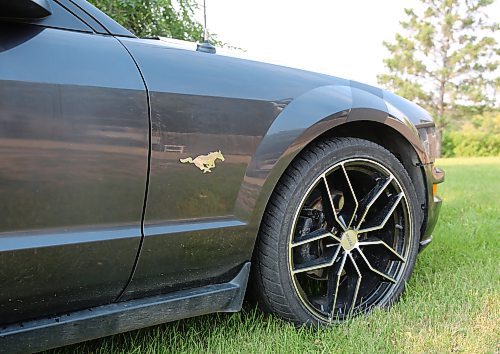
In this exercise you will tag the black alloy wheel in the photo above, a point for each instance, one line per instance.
(340, 234)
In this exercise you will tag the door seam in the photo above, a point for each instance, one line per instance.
(148, 173)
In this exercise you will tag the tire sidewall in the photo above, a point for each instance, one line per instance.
(320, 160)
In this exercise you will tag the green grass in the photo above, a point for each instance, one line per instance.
(451, 304)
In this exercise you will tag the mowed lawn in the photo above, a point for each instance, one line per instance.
(451, 304)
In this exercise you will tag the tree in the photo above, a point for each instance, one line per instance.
(169, 18)
(446, 59)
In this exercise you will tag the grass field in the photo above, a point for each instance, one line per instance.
(452, 303)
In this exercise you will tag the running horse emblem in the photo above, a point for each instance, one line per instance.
(205, 162)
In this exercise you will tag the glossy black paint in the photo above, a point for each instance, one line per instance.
(25, 9)
(37, 335)
(202, 103)
(260, 116)
(434, 176)
(97, 207)
(73, 147)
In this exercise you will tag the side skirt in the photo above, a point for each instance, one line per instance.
(125, 316)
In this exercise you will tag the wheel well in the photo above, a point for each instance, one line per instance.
(393, 141)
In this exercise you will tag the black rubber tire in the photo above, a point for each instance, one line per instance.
(272, 283)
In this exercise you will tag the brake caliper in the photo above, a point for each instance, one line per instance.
(309, 220)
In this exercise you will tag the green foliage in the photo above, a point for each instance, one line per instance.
(447, 146)
(446, 59)
(480, 136)
(470, 144)
(488, 122)
(169, 18)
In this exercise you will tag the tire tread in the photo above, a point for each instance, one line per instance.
(269, 290)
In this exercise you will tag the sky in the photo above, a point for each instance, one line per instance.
(341, 38)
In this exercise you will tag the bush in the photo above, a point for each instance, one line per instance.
(462, 144)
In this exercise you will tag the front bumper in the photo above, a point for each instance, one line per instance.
(434, 175)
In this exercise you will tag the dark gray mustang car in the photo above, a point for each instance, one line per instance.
(142, 182)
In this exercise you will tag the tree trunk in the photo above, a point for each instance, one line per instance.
(439, 141)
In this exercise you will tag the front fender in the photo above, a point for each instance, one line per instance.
(309, 116)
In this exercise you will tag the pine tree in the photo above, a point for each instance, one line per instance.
(445, 59)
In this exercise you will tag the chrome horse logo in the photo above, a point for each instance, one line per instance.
(205, 162)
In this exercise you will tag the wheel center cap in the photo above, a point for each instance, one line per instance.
(349, 240)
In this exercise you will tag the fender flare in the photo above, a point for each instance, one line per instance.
(306, 118)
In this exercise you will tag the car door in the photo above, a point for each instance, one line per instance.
(73, 166)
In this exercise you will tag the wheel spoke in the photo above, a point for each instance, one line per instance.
(314, 236)
(350, 243)
(358, 283)
(379, 221)
(339, 221)
(338, 275)
(353, 195)
(382, 243)
(330, 290)
(318, 263)
(382, 274)
(371, 197)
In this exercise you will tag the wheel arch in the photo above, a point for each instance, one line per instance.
(328, 112)
(382, 134)
(389, 138)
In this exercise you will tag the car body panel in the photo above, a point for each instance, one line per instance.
(259, 116)
(308, 117)
(46, 333)
(74, 146)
